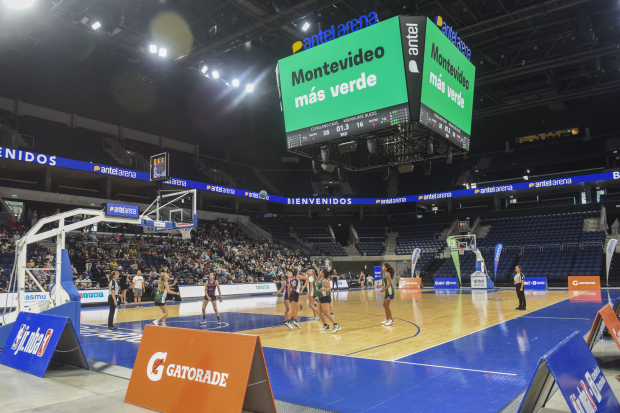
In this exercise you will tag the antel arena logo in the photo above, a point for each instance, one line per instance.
(31, 342)
(155, 370)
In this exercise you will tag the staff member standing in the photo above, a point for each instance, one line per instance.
(137, 285)
(519, 286)
(113, 288)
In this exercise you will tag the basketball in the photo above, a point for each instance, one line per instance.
(262, 194)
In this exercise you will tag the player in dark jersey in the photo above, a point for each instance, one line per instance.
(287, 304)
(323, 292)
(295, 288)
(210, 298)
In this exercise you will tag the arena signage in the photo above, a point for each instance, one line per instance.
(324, 36)
(57, 162)
(453, 37)
(122, 210)
(446, 283)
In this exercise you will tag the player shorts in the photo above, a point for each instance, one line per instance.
(137, 292)
(388, 296)
(207, 298)
(294, 297)
(326, 300)
(160, 304)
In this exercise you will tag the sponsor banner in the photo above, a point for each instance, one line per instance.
(584, 283)
(452, 244)
(198, 291)
(31, 298)
(122, 210)
(343, 284)
(186, 370)
(479, 280)
(378, 271)
(55, 161)
(413, 283)
(535, 283)
(33, 340)
(415, 256)
(611, 248)
(498, 252)
(611, 321)
(446, 283)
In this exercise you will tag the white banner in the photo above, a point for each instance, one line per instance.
(343, 284)
(414, 258)
(198, 291)
(611, 248)
(478, 280)
(33, 297)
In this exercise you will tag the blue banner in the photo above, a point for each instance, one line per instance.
(55, 161)
(579, 377)
(378, 273)
(446, 283)
(33, 340)
(535, 283)
(498, 252)
(122, 210)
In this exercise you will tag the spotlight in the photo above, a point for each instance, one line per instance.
(96, 25)
(215, 74)
(429, 146)
(525, 177)
(305, 27)
(162, 52)
(153, 48)
(235, 82)
(442, 148)
(19, 4)
(449, 156)
(325, 154)
(427, 167)
(372, 145)
(249, 88)
(204, 70)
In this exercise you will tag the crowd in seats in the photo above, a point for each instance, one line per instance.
(332, 249)
(370, 248)
(536, 230)
(419, 236)
(314, 234)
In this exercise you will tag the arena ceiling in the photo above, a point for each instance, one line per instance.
(541, 55)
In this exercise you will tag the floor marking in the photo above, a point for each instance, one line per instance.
(484, 328)
(559, 318)
(381, 345)
(455, 368)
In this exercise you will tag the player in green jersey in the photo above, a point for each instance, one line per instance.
(388, 292)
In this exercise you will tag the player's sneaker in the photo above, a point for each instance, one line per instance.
(389, 323)
(301, 307)
(296, 324)
(384, 322)
(163, 324)
(288, 325)
(155, 323)
(324, 328)
(332, 314)
(219, 323)
(203, 322)
(336, 328)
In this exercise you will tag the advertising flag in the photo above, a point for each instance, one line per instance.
(611, 248)
(498, 252)
(455, 256)
(414, 258)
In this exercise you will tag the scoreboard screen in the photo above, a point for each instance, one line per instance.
(397, 71)
(463, 226)
(159, 167)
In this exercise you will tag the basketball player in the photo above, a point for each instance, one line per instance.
(287, 304)
(163, 289)
(323, 292)
(312, 279)
(295, 289)
(210, 298)
(388, 290)
(362, 279)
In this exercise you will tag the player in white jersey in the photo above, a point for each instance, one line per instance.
(310, 287)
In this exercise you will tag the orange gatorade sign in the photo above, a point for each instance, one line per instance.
(410, 283)
(184, 370)
(584, 283)
(611, 321)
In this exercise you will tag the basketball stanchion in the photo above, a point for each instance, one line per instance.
(184, 370)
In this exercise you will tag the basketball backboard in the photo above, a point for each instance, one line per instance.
(462, 242)
(171, 210)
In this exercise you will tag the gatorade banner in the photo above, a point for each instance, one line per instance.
(414, 258)
(186, 370)
(584, 282)
(498, 252)
(610, 319)
(611, 248)
(455, 256)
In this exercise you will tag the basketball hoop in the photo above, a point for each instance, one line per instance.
(461, 251)
(186, 233)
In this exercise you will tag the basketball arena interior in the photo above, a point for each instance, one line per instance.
(309, 206)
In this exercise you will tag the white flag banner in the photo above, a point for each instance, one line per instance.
(611, 248)
(414, 258)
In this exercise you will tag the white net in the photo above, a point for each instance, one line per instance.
(186, 233)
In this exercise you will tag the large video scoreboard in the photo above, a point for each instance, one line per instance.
(398, 71)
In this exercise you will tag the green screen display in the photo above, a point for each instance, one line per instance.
(352, 75)
(447, 79)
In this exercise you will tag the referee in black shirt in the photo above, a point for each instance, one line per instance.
(519, 286)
